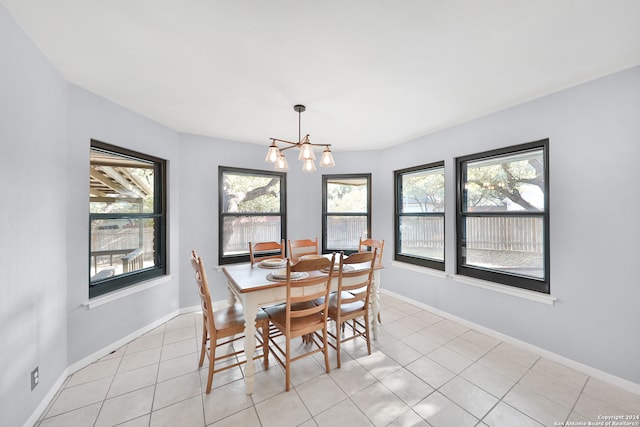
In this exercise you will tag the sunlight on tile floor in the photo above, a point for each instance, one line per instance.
(424, 370)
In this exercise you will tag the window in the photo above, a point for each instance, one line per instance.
(419, 215)
(127, 218)
(252, 207)
(346, 211)
(503, 216)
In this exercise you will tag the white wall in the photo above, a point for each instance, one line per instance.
(594, 133)
(199, 160)
(33, 234)
(45, 132)
(90, 116)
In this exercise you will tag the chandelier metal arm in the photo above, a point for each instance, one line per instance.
(294, 144)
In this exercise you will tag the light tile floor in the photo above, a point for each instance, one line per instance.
(424, 370)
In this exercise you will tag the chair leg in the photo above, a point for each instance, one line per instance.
(203, 347)
(265, 345)
(287, 364)
(338, 340)
(366, 329)
(379, 319)
(212, 359)
(325, 343)
(307, 339)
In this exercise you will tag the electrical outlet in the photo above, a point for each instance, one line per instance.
(35, 378)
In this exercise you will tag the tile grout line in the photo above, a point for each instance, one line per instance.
(508, 356)
(108, 388)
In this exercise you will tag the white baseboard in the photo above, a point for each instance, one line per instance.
(75, 367)
(580, 367)
(191, 309)
(82, 363)
(48, 398)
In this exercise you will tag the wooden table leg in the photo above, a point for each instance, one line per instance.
(231, 298)
(375, 302)
(250, 311)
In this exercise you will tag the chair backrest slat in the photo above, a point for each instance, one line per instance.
(356, 283)
(203, 291)
(365, 244)
(298, 248)
(255, 249)
(307, 290)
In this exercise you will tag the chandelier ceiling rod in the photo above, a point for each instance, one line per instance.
(300, 109)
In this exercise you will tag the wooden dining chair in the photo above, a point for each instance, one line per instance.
(298, 248)
(371, 244)
(351, 301)
(275, 249)
(299, 316)
(222, 327)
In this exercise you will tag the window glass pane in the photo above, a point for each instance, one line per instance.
(252, 209)
(121, 246)
(423, 191)
(508, 244)
(120, 184)
(238, 231)
(344, 232)
(253, 193)
(347, 195)
(422, 236)
(505, 183)
(126, 218)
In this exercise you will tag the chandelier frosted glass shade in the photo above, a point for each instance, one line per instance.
(273, 154)
(309, 165)
(306, 150)
(281, 163)
(326, 161)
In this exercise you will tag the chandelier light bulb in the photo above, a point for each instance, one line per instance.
(309, 165)
(327, 159)
(273, 153)
(281, 163)
(306, 150)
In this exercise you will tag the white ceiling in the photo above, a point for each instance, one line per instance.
(372, 73)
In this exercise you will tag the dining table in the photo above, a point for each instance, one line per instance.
(254, 286)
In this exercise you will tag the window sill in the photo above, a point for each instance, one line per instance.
(134, 289)
(504, 289)
(419, 269)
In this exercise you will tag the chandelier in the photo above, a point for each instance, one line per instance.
(305, 147)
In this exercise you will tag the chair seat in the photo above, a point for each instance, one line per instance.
(277, 315)
(345, 308)
(332, 296)
(319, 301)
(231, 319)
